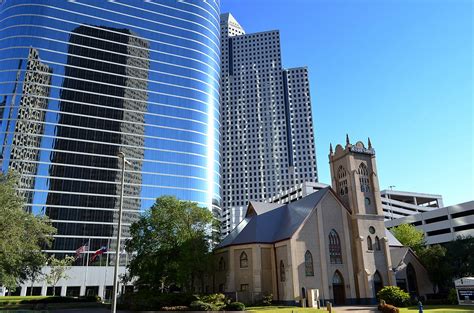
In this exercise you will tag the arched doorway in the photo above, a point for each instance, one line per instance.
(338, 289)
(411, 280)
(378, 282)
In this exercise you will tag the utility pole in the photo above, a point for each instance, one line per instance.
(121, 156)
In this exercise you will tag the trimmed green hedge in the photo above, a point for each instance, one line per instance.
(149, 300)
(235, 306)
(394, 295)
(41, 301)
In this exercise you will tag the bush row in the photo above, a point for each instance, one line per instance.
(152, 300)
(61, 300)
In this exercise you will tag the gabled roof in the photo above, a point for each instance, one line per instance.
(392, 241)
(259, 208)
(397, 255)
(273, 222)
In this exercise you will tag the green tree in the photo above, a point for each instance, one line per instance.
(409, 236)
(435, 261)
(58, 269)
(171, 244)
(22, 236)
(460, 256)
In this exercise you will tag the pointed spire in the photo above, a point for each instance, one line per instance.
(370, 144)
(347, 140)
(330, 148)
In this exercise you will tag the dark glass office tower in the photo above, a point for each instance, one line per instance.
(103, 77)
(102, 112)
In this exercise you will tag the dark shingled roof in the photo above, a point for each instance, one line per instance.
(272, 223)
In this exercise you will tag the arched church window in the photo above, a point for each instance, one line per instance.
(244, 261)
(337, 279)
(377, 243)
(308, 263)
(282, 271)
(369, 244)
(363, 177)
(222, 264)
(342, 181)
(335, 251)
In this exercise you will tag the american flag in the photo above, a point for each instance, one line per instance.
(81, 250)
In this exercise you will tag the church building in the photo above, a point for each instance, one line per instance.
(333, 240)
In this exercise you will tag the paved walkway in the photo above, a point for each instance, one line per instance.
(358, 309)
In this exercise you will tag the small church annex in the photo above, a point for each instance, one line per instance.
(333, 240)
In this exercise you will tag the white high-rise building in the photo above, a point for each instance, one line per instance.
(266, 123)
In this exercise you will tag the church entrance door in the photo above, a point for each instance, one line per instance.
(338, 289)
(378, 282)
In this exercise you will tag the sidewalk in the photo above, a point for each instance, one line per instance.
(356, 309)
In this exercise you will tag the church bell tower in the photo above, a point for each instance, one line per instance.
(354, 178)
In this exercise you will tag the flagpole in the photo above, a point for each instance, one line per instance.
(106, 268)
(87, 265)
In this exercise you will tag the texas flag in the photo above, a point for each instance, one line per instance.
(98, 252)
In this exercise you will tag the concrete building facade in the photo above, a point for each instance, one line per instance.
(266, 122)
(397, 204)
(443, 224)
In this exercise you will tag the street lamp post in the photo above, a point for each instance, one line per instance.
(390, 201)
(121, 156)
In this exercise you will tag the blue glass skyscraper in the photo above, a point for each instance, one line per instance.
(81, 81)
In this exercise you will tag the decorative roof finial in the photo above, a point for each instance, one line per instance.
(330, 148)
(347, 140)
(370, 144)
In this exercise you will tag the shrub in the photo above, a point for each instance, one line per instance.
(235, 306)
(387, 308)
(202, 306)
(58, 299)
(394, 295)
(150, 300)
(452, 296)
(267, 299)
(216, 301)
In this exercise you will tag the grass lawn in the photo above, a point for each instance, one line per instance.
(440, 309)
(282, 309)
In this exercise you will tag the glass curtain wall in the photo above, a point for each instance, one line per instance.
(84, 80)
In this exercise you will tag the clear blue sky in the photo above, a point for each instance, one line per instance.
(399, 71)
